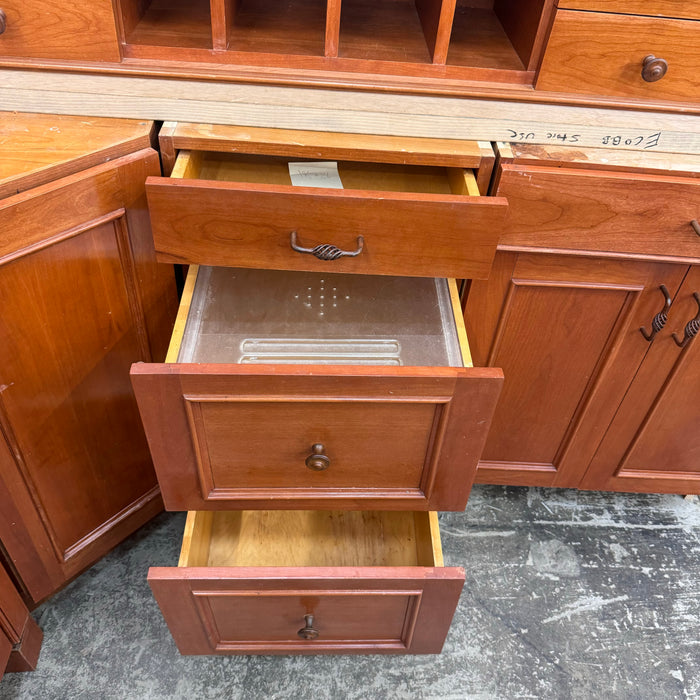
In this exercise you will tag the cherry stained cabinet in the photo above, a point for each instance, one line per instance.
(592, 237)
(653, 443)
(82, 298)
(565, 331)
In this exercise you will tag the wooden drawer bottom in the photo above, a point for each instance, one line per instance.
(309, 582)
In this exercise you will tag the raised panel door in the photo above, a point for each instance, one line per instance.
(565, 330)
(77, 281)
(653, 444)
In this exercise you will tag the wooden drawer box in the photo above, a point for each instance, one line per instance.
(309, 582)
(602, 53)
(241, 210)
(236, 418)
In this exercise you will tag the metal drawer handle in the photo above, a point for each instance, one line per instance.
(317, 461)
(308, 631)
(3, 22)
(691, 328)
(696, 226)
(659, 321)
(653, 68)
(326, 251)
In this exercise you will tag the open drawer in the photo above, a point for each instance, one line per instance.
(279, 582)
(389, 219)
(296, 390)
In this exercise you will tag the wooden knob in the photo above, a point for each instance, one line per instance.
(653, 68)
(3, 21)
(317, 461)
(308, 631)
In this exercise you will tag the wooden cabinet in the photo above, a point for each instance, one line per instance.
(82, 299)
(323, 383)
(20, 636)
(587, 400)
(460, 47)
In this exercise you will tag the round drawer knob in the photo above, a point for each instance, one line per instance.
(3, 22)
(653, 68)
(308, 631)
(317, 461)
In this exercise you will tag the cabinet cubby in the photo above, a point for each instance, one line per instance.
(460, 39)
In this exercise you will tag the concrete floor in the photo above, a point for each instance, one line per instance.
(568, 595)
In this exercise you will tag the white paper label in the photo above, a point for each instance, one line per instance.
(316, 174)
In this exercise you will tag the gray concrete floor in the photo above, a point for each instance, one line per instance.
(568, 595)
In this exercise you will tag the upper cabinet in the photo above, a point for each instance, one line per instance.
(573, 51)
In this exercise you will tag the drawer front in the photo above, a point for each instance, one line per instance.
(233, 436)
(599, 53)
(601, 211)
(250, 225)
(261, 610)
(59, 29)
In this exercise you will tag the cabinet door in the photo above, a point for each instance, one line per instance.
(653, 444)
(565, 330)
(82, 298)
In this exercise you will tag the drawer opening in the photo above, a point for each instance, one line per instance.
(311, 538)
(380, 177)
(241, 316)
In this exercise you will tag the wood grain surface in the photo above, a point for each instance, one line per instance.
(312, 538)
(324, 145)
(488, 118)
(60, 29)
(597, 210)
(39, 148)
